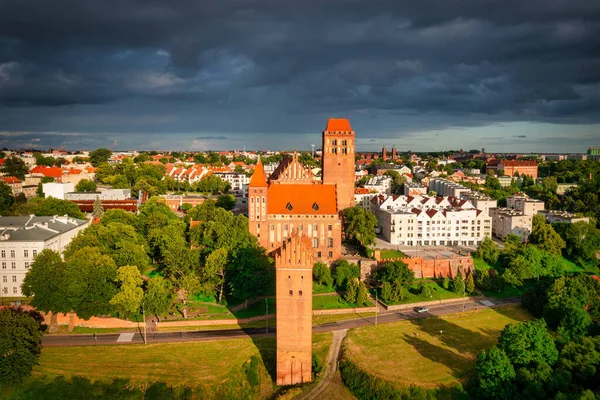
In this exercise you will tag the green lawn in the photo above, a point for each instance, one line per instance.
(431, 351)
(570, 266)
(319, 289)
(392, 254)
(196, 364)
(331, 302)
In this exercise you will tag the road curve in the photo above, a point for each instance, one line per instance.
(193, 336)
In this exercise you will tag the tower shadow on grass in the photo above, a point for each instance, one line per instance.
(266, 345)
(437, 354)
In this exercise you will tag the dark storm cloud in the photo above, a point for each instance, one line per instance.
(520, 136)
(282, 67)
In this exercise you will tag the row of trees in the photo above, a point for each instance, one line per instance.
(531, 362)
(103, 266)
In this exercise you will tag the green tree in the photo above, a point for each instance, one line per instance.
(343, 273)
(458, 283)
(470, 283)
(527, 343)
(129, 296)
(581, 359)
(398, 180)
(20, 344)
(494, 375)
(362, 294)
(359, 225)
(158, 296)
(98, 211)
(395, 271)
(6, 198)
(121, 216)
(427, 292)
(446, 283)
(52, 206)
(351, 290)
(251, 273)
(140, 158)
(91, 282)
(99, 156)
(213, 273)
(186, 286)
(14, 166)
(322, 274)
(387, 292)
(85, 185)
(544, 236)
(46, 284)
(488, 251)
(226, 201)
(582, 241)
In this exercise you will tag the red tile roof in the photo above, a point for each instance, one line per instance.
(338, 124)
(519, 163)
(258, 177)
(10, 179)
(360, 190)
(53, 172)
(2, 160)
(312, 199)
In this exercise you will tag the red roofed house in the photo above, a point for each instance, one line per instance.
(290, 200)
(50, 172)
(15, 184)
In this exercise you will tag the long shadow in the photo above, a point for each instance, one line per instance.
(437, 354)
(266, 345)
(463, 340)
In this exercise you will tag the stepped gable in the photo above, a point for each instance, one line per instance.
(290, 170)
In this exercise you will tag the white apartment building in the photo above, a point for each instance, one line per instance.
(445, 187)
(480, 201)
(414, 189)
(57, 190)
(379, 185)
(22, 238)
(553, 216)
(432, 221)
(238, 182)
(525, 204)
(506, 221)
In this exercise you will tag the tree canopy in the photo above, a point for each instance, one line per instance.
(14, 166)
(359, 225)
(20, 344)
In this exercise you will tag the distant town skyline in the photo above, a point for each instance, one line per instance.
(198, 75)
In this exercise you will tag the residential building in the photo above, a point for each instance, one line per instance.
(480, 201)
(525, 204)
(174, 202)
(507, 220)
(14, 183)
(553, 216)
(379, 185)
(432, 221)
(22, 238)
(57, 190)
(414, 189)
(109, 194)
(239, 182)
(445, 187)
(505, 181)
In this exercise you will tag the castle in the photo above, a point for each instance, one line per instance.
(290, 199)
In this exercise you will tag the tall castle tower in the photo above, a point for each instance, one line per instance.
(338, 160)
(257, 204)
(293, 274)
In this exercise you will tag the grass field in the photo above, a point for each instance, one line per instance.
(195, 364)
(431, 351)
(386, 254)
(319, 289)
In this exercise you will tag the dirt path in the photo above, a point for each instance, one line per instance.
(331, 382)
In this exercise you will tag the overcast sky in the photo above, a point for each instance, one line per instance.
(508, 75)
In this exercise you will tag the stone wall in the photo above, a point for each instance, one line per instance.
(426, 303)
(433, 268)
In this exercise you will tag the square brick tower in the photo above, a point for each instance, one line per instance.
(293, 274)
(338, 160)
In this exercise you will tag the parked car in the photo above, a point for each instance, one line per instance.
(422, 309)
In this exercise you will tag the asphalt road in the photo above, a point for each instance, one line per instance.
(192, 336)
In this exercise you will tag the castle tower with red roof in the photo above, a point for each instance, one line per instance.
(293, 274)
(338, 160)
